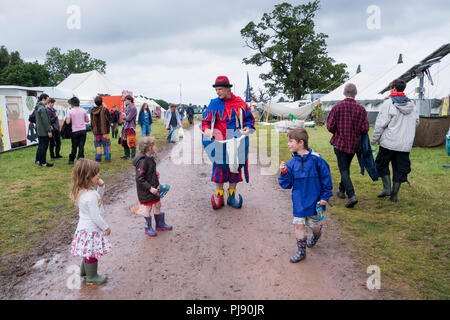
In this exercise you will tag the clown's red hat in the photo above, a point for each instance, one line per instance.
(222, 81)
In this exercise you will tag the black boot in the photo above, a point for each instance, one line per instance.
(386, 186)
(351, 202)
(394, 194)
(340, 194)
(301, 254)
(315, 237)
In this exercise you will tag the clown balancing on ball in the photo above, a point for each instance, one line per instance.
(226, 124)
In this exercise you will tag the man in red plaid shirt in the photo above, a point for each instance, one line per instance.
(347, 121)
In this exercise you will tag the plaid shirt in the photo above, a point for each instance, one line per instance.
(347, 121)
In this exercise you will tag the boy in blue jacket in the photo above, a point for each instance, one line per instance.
(309, 176)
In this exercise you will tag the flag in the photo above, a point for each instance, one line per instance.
(248, 96)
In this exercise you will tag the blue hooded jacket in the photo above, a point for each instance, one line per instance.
(310, 179)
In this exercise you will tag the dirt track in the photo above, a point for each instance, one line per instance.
(224, 254)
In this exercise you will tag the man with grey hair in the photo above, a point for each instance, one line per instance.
(347, 121)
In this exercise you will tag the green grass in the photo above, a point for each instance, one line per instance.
(34, 200)
(408, 240)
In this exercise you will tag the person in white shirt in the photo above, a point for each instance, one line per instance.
(90, 241)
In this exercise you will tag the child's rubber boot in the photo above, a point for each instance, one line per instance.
(314, 238)
(231, 200)
(217, 200)
(82, 270)
(386, 186)
(149, 230)
(92, 277)
(161, 223)
(301, 254)
(394, 194)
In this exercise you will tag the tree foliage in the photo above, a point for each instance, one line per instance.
(8, 59)
(61, 65)
(286, 39)
(25, 74)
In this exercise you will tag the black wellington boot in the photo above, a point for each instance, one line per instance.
(394, 194)
(315, 237)
(386, 186)
(301, 254)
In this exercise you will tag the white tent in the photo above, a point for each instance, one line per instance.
(89, 84)
(297, 108)
(372, 92)
(153, 104)
(362, 80)
(57, 93)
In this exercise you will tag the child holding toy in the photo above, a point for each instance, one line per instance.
(149, 190)
(309, 176)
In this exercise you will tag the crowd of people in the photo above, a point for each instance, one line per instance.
(104, 123)
(228, 118)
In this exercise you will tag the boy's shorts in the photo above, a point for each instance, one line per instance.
(311, 221)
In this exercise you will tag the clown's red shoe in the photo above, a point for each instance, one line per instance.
(217, 201)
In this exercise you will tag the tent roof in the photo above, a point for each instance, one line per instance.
(362, 80)
(376, 88)
(372, 92)
(89, 84)
(56, 93)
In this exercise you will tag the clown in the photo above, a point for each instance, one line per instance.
(227, 117)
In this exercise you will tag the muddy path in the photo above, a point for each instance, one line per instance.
(224, 254)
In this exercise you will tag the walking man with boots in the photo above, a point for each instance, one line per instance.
(347, 121)
(395, 129)
(227, 117)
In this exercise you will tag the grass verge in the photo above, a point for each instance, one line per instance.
(35, 200)
(408, 240)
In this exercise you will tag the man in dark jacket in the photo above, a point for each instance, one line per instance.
(55, 141)
(101, 122)
(44, 130)
(190, 113)
(347, 121)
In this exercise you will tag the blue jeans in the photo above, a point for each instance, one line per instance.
(171, 136)
(146, 129)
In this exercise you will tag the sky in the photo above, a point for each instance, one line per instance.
(153, 47)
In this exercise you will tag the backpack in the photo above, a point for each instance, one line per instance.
(32, 117)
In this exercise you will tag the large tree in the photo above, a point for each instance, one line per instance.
(8, 59)
(286, 39)
(61, 65)
(25, 74)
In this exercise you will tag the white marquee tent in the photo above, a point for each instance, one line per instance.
(89, 84)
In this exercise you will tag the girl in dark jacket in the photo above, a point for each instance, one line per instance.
(147, 184)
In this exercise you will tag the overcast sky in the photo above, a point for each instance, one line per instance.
(151, 47)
